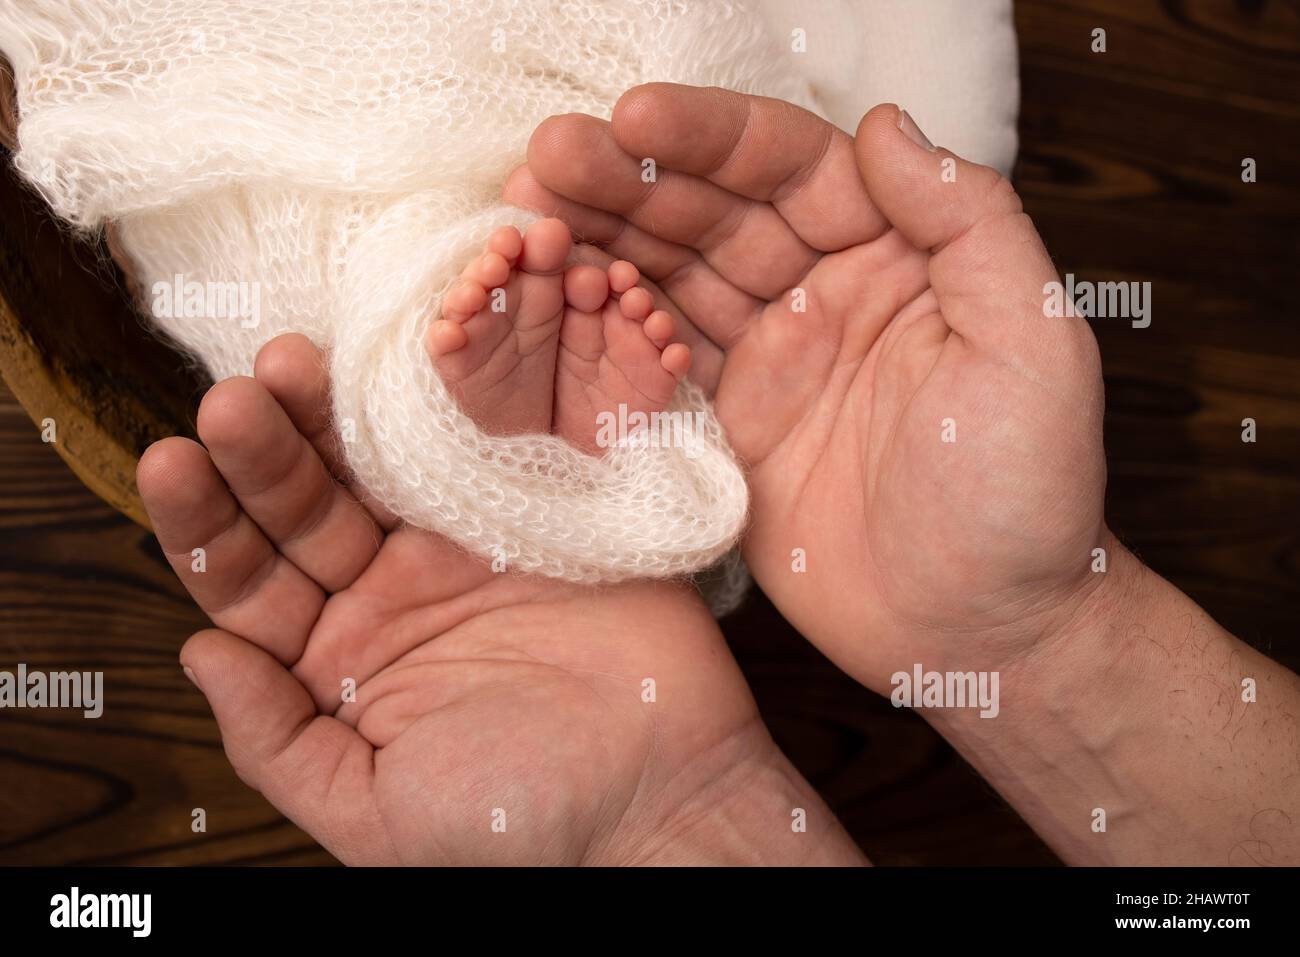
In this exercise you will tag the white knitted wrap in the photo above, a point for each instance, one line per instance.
(347, 156)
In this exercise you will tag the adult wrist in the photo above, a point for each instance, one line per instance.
(1073, 707)
(1141, 732)
(754, 810)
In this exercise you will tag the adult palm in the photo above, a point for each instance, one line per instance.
(404, 703)
(924, 443)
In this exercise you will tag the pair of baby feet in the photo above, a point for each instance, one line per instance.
(528, 344)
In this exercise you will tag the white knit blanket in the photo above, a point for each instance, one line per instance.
(333, 165)
(338, 162)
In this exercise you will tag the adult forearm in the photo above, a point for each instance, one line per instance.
(1144, 733)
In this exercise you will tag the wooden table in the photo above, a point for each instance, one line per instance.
(1130, 166)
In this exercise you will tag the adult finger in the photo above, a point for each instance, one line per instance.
(296, 373)
(764, 149)
(988, 266)
(279, 480)
(319, 772)
(220, 554)
(745, 241)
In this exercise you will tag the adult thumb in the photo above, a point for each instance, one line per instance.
(316, 770)
(988, 266)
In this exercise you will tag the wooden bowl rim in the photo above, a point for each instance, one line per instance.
(43, 393)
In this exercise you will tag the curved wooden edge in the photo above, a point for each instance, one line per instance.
(8, 107)
(91, 451)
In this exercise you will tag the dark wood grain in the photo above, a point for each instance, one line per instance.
(1130, 166)
(83, 588)
(1153, 134)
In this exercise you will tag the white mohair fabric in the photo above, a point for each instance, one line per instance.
(346, 157)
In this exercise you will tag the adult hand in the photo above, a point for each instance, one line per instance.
(1133, 729)
(924, 444)
(404, 704)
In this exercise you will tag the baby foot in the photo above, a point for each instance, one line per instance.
(615, 352)
(495, 345)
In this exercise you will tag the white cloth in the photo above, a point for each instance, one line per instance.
(952, 64)
(344, 158)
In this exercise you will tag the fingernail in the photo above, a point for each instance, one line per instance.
(913, 132)
(190, 674)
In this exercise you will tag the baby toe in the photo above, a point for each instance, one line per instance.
(444, 337)
(585, 288)
(658, 328)
(636, 304)
(676, 360)
(463, 300)
(489, 270)
(506, 242)
(623, 276)
(546, 246)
